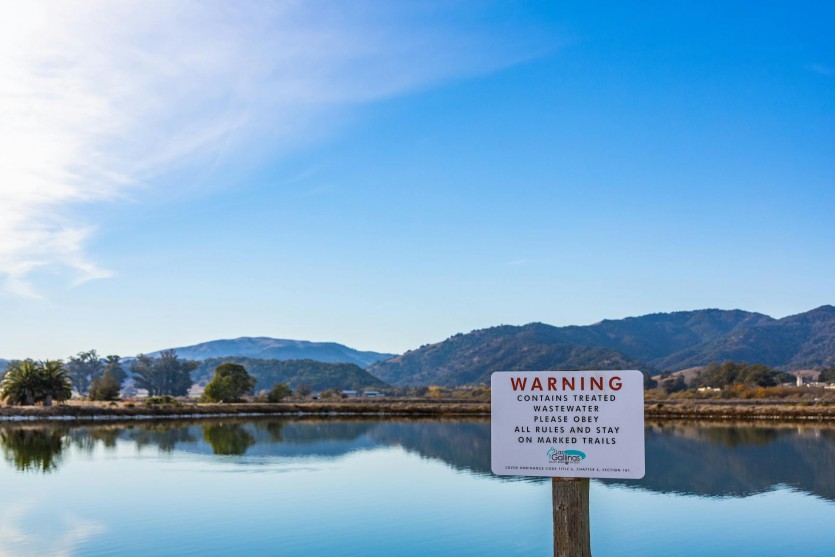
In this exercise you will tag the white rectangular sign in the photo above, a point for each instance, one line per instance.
(571, 424)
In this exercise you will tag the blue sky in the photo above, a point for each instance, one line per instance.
(390, 174)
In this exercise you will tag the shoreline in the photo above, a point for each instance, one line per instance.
(80, 411)
(743, 410)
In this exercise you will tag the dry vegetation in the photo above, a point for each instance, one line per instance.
(670, 408)
(797, 395)
(174, 407)
(735, 410)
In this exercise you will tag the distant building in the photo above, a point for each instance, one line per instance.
(799, 380)
(350, 394)
(373, 394)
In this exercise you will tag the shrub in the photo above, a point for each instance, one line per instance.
(105, 387)
(161, 400)
(279, 393)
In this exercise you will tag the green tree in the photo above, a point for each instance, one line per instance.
(166, 375)
(230, 383)
(105, 387)
(83, 368)
(331, 393)
(113, 366)
(784, 377)
(20, 383)
(760, 376)
(279, 393)
(674, 384)
(28, 382)
(303, 390)
(827, 375)
(733, 373)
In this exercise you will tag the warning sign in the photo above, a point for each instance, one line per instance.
(571, 424)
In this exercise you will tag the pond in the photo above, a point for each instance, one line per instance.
(398, 487)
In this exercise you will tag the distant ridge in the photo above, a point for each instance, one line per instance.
(655, 342)
(279, 349)
(318, 375)
(470, 359)
(649, 338)
(652, 343)
(805, 340)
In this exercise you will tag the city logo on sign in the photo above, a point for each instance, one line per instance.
(569, 456)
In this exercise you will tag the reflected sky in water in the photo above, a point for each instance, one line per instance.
(364, 487)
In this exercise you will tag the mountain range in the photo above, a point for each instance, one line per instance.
(279, 349)
(655, 342)
(652, 343)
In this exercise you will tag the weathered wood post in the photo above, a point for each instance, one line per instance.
(570, 497)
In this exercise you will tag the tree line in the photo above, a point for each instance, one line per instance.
(28, 382)
(726, 374)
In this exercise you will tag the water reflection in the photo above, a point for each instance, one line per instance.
(166, 436)
(723, 460)
(228, 439)
(31, 449)
(713, 460)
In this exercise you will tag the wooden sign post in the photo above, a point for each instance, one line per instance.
(570, 426)
(570, 498)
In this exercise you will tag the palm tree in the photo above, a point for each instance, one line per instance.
(19, 382)
(28, 382)
(55, 382)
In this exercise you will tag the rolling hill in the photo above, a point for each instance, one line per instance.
(279, 349)
(652, 337)
(652, 343)
(470, 359)
(655, 342)
(318, 375)
(805, 340)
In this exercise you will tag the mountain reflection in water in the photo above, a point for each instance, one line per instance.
(703, 459)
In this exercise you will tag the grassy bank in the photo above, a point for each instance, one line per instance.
(83, 410)
(724, 410)
(737, 410)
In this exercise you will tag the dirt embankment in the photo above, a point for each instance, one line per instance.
(79, 410)
(725, 410)
(735, 410)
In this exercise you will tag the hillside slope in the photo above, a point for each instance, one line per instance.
(655, 342)
(319, 375)
(799, 341)
(470, 359)
(279, 349)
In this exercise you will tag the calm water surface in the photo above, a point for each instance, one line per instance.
(335, 487)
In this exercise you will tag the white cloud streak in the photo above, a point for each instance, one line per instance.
(19, 541)
(821, 69)
(100, 99)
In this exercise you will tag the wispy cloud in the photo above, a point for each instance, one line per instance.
(100, 99)
(821, 69)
